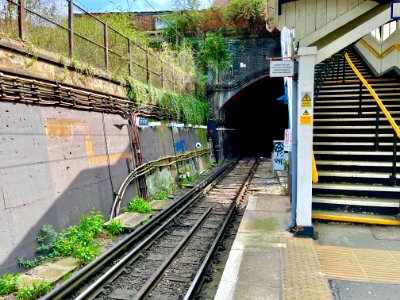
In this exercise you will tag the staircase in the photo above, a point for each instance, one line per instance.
(355, 166)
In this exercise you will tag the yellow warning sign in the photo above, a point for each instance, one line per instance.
(306, 100)
(305, 119)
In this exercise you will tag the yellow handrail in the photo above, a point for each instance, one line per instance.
(314, 170)
(371, 90)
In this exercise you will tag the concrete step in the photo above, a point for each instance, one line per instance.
(356, 187)
(321, 162)
(355, 218)
(357, 201)
(350, 144)
(347, 174)
(350, 113)
(351, 135)
(360, 153)
(349, 127)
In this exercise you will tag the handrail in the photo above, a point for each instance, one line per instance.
(315, 177)
(396, 134)
(376, 97)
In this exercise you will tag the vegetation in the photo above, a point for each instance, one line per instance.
(160, 196)
(115, 227)
(34, 291)
(78, 241)
(48, 236)
(8, 284)
(188, 180)
(247, 10)
(138, 205)
(182, 107)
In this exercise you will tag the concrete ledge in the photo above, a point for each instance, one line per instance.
(51, 272)
(130, 220)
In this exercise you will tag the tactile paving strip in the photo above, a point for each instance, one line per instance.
(301, 272)
(358, 264)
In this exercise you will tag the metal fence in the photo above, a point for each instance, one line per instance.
(63, 27)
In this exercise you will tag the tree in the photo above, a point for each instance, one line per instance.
(249, 10)
(213, 55)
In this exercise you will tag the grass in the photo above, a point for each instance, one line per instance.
(138, 205)
(34, 291)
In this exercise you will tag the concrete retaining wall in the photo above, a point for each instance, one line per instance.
(56, 164)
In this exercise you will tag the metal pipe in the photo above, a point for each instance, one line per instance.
(71, 28)
(21, 19)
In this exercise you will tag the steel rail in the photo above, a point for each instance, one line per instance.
(153, 280)
(101, 261)
(201, 273)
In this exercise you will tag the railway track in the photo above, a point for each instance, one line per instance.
(169, 257)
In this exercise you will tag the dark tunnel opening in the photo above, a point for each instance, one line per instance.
(257, 117)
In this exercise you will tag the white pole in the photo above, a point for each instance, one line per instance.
(305, 118)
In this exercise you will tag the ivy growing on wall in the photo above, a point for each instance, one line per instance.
(186, 108)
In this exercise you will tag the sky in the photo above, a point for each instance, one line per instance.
(131, 5)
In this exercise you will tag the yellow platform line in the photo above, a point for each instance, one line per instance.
(354, 219)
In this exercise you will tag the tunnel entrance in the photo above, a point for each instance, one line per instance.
(258, 117)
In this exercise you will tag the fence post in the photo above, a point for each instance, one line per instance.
(130, 56)
(162, 74)
(147, 67)
(71, 28)
(106, 46)
(21, 19)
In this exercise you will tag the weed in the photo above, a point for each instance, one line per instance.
(115, 227)
(284, 190)
(160, 196)
(138, 205)
(8, 284)
(48, 236)
(66, 276)
(34, 291)
(145, 220)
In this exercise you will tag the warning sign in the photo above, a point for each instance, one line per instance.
(306, 100)
(306, 118)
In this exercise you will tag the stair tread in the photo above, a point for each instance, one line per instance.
(356, 127)
(316, 113)
(356, 163)
(357, 201)
(356, 217)
(357, 187)
(355, 135)
(355, 174)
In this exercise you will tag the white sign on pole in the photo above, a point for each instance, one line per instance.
(288, 141)
(278, 156)
(281, 68)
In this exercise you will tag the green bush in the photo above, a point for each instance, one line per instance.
(34, 291)
(8, 284)
(115, 227)
(138, 205)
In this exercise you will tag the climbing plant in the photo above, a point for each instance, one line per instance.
(187, 108)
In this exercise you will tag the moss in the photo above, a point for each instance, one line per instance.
(263, 225)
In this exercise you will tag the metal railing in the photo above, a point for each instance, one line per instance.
(326, 69)
(379, 107)
(63, 27)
